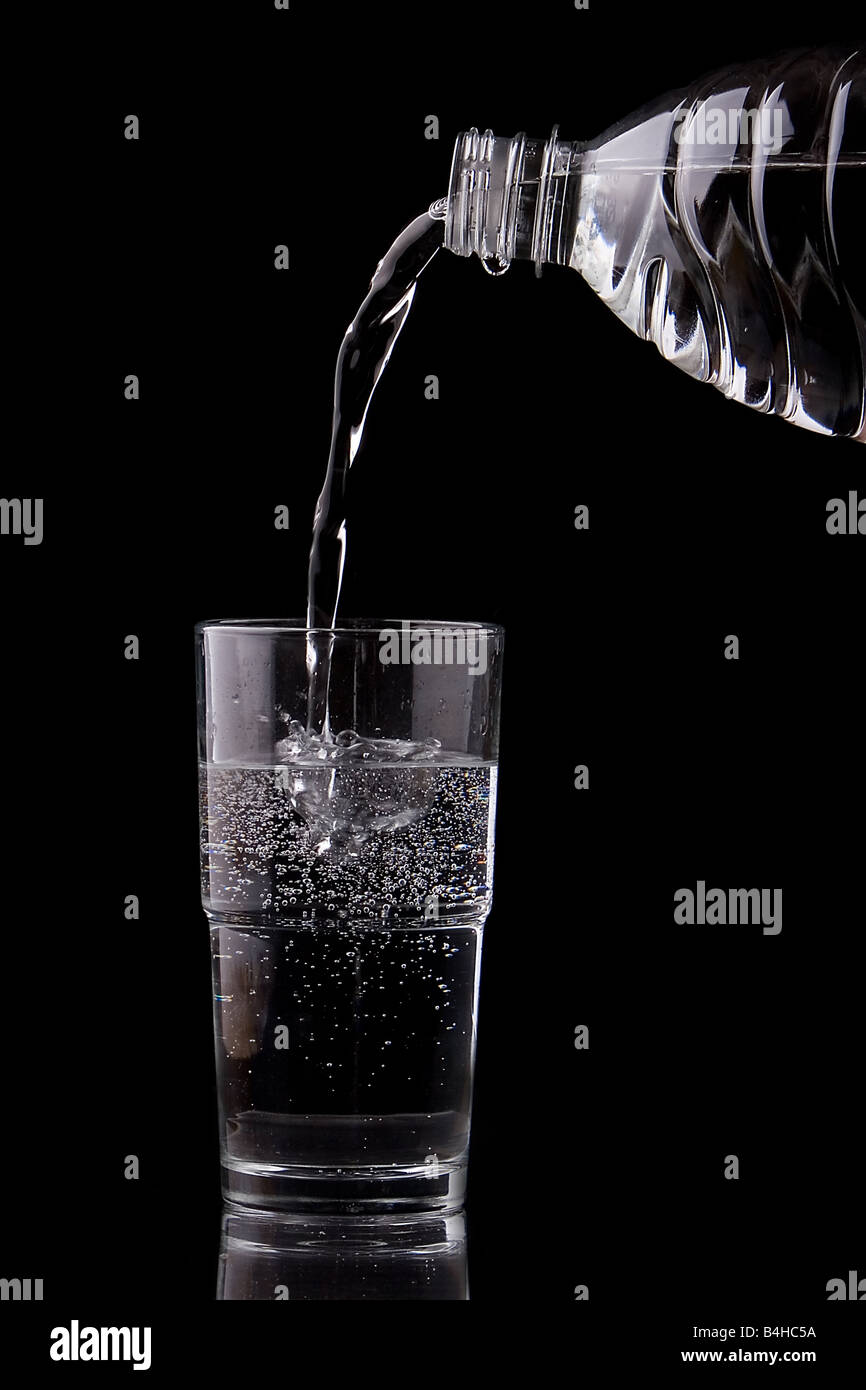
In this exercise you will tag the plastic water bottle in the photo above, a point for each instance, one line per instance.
(723, 222)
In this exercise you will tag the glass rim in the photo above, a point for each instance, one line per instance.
(349, 627)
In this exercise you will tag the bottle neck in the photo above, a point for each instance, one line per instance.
(510, 199)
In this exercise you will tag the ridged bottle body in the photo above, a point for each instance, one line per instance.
(725, 223)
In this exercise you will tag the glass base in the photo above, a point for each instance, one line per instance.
(292, 1187)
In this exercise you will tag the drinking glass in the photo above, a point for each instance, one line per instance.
(347, 797)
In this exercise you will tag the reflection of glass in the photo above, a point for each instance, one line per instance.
(347, 878)
(287, 1255)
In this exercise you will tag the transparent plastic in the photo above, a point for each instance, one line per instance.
(723, 222)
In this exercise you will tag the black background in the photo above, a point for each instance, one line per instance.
(603, 1167)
